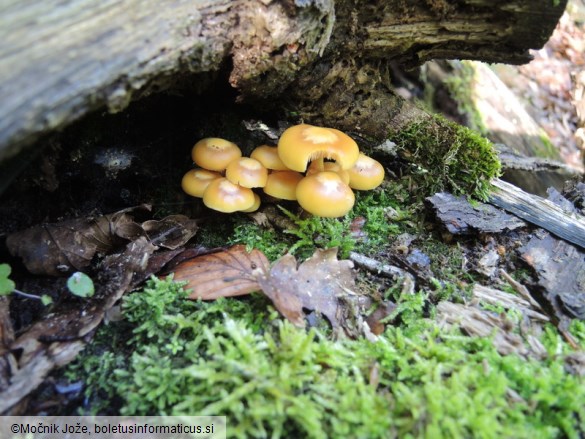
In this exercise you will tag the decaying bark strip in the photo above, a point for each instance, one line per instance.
(537, 210)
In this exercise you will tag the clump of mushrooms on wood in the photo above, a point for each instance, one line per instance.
(296, 169)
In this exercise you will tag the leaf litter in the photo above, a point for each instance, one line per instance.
(322, 284)
(117, 251)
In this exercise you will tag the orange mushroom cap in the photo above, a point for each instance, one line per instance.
(195, 181)
(366, 174)
(224, 196)
(247, 172)
(283, 184)
(268, 156)
(255, 206)
(214, 153)
(302, 143)
(325, 194)
(328, 166)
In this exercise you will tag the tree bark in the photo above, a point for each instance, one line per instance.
(61, 60)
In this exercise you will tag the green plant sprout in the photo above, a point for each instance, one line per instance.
(80, 284)
(7, 286)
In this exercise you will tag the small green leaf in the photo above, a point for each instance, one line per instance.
(80, 284)
(6, 285)
(46, 299)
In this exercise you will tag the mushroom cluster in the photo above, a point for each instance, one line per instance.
(316, 166)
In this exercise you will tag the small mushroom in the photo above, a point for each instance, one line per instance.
(195, 181)
(268, 156)
(314, 168)
(325, 194)
(255, 206)
(366, 174)
(303, 143)
(224, 196)
(283, 184)
(247, 172)
(214, 153)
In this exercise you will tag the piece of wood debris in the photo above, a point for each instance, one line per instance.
(508, 301)
(477, 322)
(537, 210)
(560, 270)
(383, 269)
(460, 217)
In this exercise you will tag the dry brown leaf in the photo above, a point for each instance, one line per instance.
(232, 272)
(56, 339)
(171, 232)
(57, 249)
(317, 284)
(280, 287)
(320, 284)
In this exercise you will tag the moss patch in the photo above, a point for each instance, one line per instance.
(447, 156)
(237, 358)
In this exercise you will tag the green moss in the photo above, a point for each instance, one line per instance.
(547, 149)
(460, 86)
(239, 359)
(447, 156)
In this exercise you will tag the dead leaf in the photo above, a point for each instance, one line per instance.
(280, 287)
(56, 339)
(228, 273)
(59, 248)
(322, 283)
(170, 232)
(317, 284)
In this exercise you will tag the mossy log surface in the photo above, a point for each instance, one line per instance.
(61, 60)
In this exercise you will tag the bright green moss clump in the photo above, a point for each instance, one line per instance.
(448, 156)
(240, 359)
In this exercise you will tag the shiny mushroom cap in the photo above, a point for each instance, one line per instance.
(224, 196)
(214, 153)
(300, 144)
(315, 166)
(247, 172)
(255, 206)
(268, 156)
(366, 174)
(283, 184)
(325, 194)
(195, 181)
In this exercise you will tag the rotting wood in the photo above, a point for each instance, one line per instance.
(61, 60)
(537, 210)
(560, 271)
(460, 217)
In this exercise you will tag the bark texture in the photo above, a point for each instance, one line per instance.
(61, 60)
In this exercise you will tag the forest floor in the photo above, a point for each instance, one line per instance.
(442, 328)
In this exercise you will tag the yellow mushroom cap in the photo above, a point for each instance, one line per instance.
(283, 184)
(268, 156)
(224, 196)
(247, 172)
(328, 166)
(366, 174)
(302, 143)
(325, 194)
(195, 181)
(214, 153)
(255, 206)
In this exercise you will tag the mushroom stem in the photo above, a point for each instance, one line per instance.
(320, 164)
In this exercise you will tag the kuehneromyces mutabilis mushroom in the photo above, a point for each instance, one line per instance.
(316, 166)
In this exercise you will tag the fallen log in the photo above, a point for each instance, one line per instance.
(60, 61)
